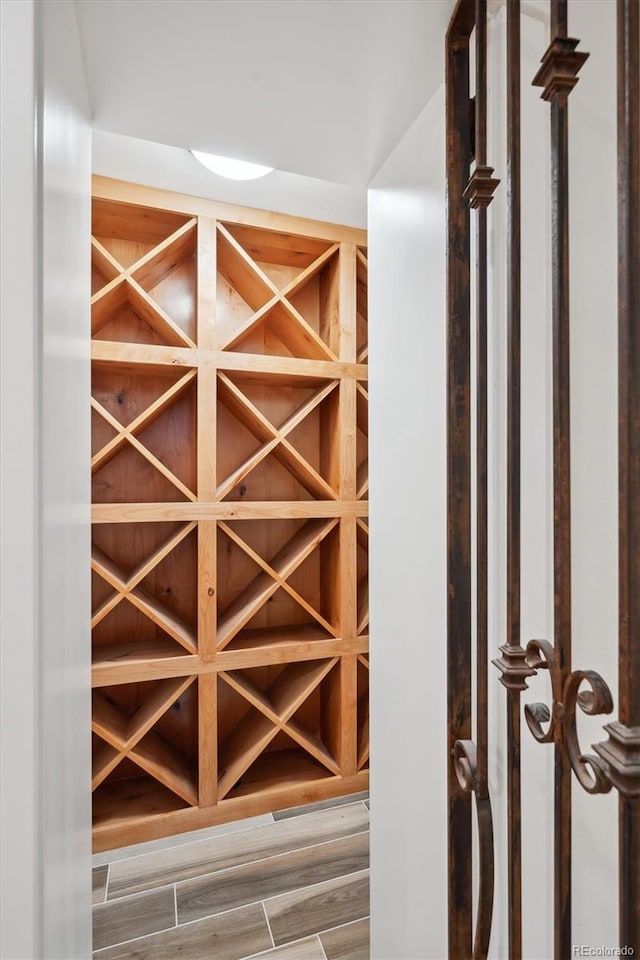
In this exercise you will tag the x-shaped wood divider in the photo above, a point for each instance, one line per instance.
(274, 575)
(273, 438)
(255, 285)
(278, 580)
(124, 285)
(123, 738)
(126, 589)
(129, 433)
(254, 733)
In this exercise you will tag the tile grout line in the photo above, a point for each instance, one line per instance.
(339, 926)
(238, 866)
(186, 843)
(242, 907)
(123, 943)
(287, 893)
(321, 945)
(175, 902)
(134, 856)
(320, 883)
(266, 917)
(106, 885)
(290, 943)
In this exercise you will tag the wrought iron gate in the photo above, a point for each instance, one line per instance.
(616, 761)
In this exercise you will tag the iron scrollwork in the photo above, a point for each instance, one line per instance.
(465, 756)
(591, 771)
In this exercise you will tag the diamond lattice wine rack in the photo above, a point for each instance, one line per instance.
(230, 537)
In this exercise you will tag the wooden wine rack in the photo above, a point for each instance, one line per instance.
(230, 539)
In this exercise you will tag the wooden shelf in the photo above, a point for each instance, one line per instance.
(134, 799)
(229, 478)
(273, 772)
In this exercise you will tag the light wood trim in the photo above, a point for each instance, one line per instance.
(207, 739)
(107, 188)
(206, 432)
(348, 440)
(138, 668)
(348, 715)
(258, 510)
(207, 581)
(347, 301)
(206, 274)
(132, 829)
(157, 357)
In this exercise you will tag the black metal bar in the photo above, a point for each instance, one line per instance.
(514, 838)
(481, 411)
(628, 51)
(458, 476)
(561, 506)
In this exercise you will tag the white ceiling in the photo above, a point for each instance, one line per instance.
(322, 88)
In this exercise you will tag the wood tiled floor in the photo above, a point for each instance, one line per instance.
(294, 886)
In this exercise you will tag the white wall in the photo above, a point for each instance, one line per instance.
(408, 545)
(45, 491)
(65, 608)
(19, 853)
(171, 168)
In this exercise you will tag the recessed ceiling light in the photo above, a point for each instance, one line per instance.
(231, 169)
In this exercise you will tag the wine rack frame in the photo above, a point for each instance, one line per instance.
(229, 520)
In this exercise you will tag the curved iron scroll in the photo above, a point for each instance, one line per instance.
(590, 770)
(466, 767)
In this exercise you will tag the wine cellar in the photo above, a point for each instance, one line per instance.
(229, 519)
